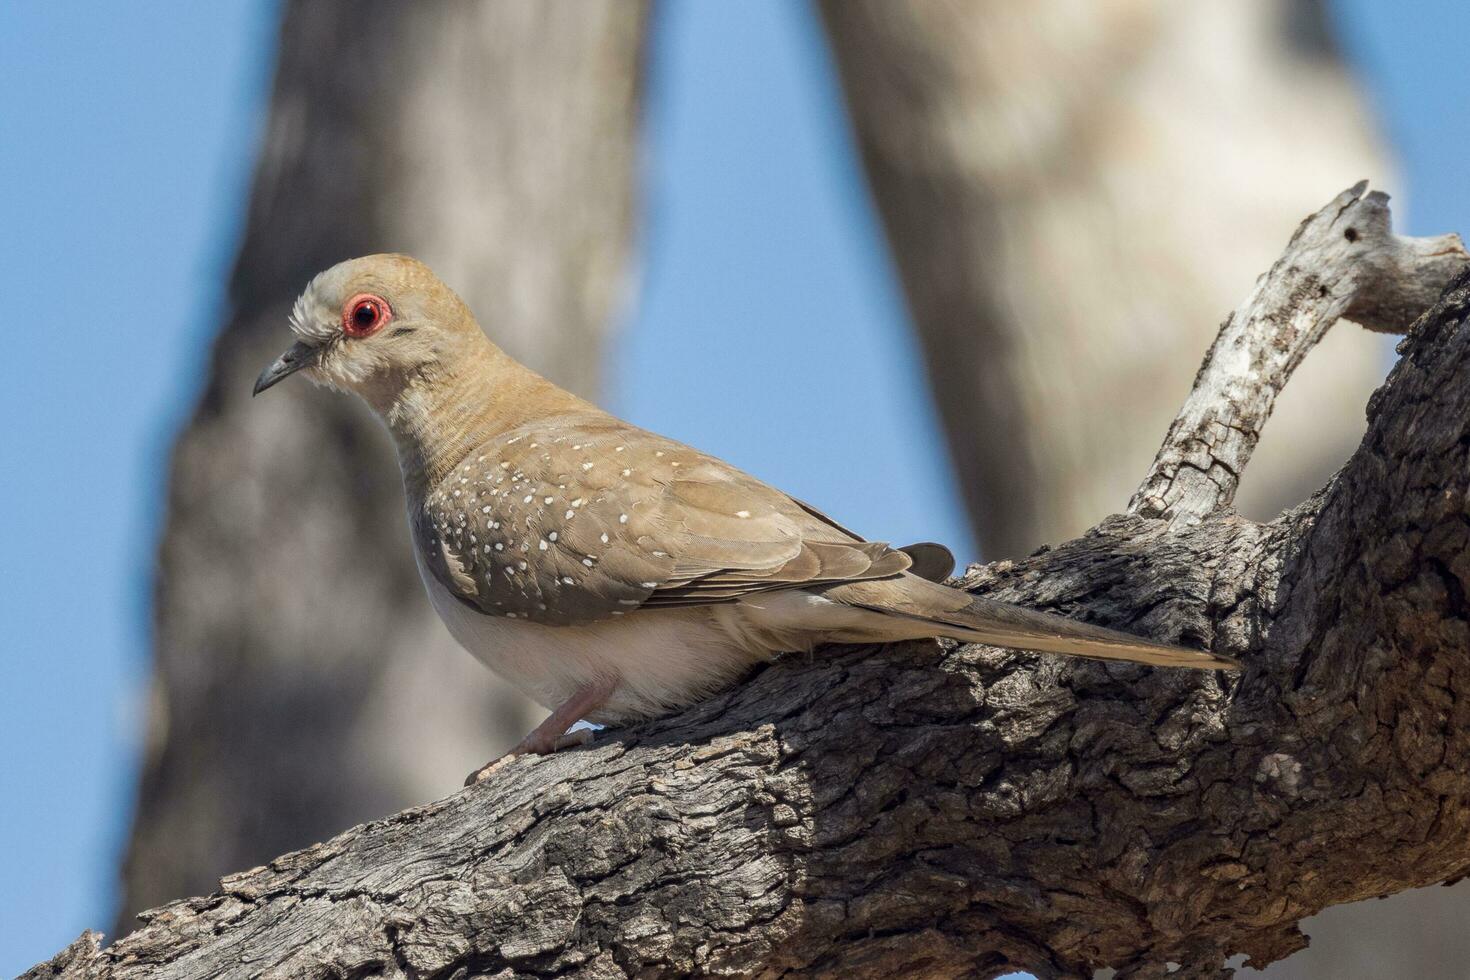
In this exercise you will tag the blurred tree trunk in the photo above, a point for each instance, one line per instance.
(301, 682)
(1415, 934)
(1012, 147)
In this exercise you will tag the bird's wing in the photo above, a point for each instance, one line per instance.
(736, 536)
(930, 560)
(580, 518)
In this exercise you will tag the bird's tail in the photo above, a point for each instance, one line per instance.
(930, 609)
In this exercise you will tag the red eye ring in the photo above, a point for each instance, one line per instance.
(364, 315)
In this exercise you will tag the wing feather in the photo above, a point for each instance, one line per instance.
(580, 518)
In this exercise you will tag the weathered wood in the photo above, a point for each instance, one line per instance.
(1344, 261)
(935, 811)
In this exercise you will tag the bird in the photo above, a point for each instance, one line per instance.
(612, 574)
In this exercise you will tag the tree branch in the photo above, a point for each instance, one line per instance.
(1344, 261)
(927, 810)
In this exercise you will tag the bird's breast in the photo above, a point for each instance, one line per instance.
(663, 659)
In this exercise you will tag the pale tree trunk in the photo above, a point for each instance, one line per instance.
(1072, 192)
(928, 810)
(301, 682)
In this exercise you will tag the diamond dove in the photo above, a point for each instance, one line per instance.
(608, 572)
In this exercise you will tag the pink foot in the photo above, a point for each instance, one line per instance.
(552, 735)
(532, 744)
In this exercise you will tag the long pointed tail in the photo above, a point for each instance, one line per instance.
(953, 613)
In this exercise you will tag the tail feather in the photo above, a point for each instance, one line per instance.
(957, 614)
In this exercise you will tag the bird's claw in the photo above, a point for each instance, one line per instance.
(533, 744)
(483, 773)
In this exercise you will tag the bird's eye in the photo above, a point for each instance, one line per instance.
(364, 315)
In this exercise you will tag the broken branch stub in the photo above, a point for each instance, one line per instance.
(1343, 262)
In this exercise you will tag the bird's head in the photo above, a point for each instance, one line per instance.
(373, 325)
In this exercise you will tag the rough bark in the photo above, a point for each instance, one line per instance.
(1151, 156)
(303, 684)
(932, 810)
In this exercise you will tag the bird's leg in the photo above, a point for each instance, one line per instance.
(552, 735)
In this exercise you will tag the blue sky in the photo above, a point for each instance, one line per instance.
(127, 132)
(126, 138)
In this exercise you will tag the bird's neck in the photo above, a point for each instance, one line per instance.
(440, 414)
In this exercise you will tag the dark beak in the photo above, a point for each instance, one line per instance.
(297, 357)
